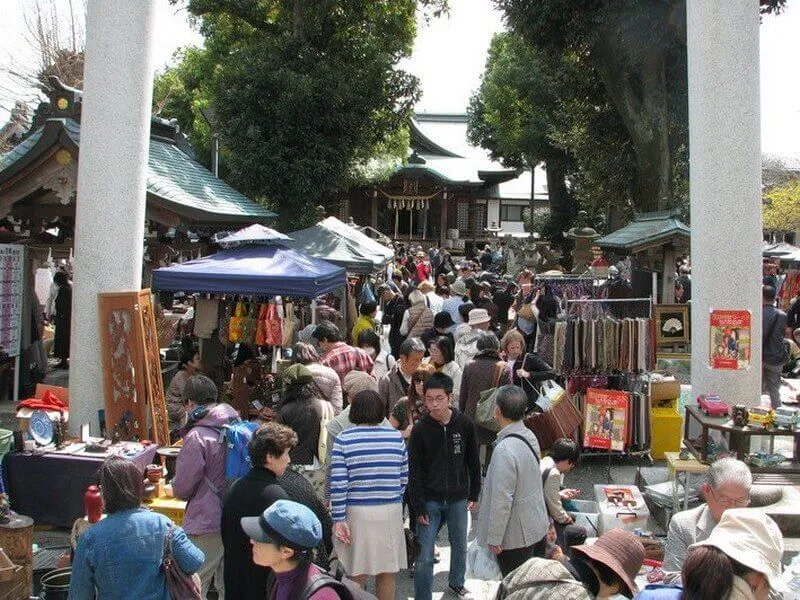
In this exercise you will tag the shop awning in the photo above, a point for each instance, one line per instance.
(267, 270)
(342, 245)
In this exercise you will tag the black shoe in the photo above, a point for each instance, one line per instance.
(461, 592)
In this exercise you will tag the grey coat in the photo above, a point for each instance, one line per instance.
(513, 513)
(685, 529)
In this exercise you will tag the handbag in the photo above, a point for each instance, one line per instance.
(236, 322)
(484, 413)
(526, 311)
(274, 335)
(413, 546)
(249, 324)
(261, 327)
(550, 394)
(561, 421)
(180, 585)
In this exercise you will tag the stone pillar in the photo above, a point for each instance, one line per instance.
(112, 172)
(725, 185)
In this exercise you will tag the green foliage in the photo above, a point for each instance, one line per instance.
(782, 207)
(307, 95)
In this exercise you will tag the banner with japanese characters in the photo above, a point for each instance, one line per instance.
(12, 261)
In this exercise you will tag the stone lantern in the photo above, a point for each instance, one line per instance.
(584, 237)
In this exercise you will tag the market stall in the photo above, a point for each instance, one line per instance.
(342, 245)
(257, 292)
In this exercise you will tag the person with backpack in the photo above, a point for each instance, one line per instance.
(513, 521)
(250, 496)
(283, 538)
(200, 476)
(444, 483)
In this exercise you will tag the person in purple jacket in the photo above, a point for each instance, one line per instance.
(200, 476)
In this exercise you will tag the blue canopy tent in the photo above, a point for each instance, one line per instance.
(267, 270)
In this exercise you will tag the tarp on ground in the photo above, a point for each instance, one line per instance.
(342, 245)
(267, 270)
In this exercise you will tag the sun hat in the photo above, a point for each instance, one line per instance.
(458, 288)
(443, 320)
(752, 539)
(358, 381)
(296, 374)
(285, 523)
(478, 316)
(619, 550)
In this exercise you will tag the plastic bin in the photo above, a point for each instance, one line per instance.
(667, 431)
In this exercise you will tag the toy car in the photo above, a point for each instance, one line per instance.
(761, 416)
(787, 417)
(712, 406)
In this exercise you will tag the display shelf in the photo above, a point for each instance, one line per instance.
(739, 439)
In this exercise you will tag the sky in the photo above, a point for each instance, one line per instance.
(450, 54)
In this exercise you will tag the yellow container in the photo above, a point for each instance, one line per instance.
(667, 431)
(169, 507)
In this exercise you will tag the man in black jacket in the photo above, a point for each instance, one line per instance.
(249, 497)
(444, 482)
(773, 349)
(394, 307)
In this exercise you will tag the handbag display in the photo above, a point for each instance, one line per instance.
(180, 585)
(249, 324)
(274, 334)
(560, 421)
(261, 326)
(484, 412)
(236, 322)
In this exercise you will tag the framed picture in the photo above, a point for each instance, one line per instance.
(671, 323)
(677, 364)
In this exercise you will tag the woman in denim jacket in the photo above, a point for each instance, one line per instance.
(120, 557)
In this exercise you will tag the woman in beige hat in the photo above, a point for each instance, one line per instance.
(740, 560)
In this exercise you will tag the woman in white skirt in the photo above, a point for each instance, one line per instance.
(369, 473)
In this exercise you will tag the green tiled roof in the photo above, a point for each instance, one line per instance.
(19, 150)
(646, 229)
(176, 178)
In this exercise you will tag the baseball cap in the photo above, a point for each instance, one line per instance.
(285, 523)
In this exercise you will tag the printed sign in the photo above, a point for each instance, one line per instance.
(605, 417)
(12, 263)
(729, 339)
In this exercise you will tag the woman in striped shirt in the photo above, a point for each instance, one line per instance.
(369, 473)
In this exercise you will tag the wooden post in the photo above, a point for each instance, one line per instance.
(396, 221)
(374, 210)
(668, 275)
(443, 225)
(410, 223)
(16, 539)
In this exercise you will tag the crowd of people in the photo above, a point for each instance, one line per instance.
(374, 447)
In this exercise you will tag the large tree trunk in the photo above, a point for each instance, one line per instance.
(561, 201)
(637, 87)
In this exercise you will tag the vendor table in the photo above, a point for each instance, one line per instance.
(49, 487)
(689, 466)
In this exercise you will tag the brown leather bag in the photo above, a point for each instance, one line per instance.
(180, 585)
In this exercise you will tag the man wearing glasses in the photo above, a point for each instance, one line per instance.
(727, 486)
(444, 482)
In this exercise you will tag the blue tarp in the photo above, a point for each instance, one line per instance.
(264, 270)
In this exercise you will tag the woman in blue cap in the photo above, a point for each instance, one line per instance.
(284, 537)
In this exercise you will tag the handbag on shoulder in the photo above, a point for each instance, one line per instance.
(180, 585)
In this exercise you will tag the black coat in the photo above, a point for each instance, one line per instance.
(61, 321)
(539, 371)
(249, 497)
(393, 315)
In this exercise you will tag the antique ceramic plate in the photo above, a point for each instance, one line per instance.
(41, 427)
(169, 451)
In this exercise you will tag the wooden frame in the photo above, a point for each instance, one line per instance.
(133, 389)
(662, 315)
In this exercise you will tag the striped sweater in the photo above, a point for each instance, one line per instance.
(369, 466)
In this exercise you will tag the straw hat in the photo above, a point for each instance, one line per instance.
(619, 550)
(478, 316)
(752, 539)
(458, 288)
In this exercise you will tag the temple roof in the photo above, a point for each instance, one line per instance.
(176, 182)
(440, 148)
(647, 230)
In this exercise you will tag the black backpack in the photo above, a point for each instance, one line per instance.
(345, 588)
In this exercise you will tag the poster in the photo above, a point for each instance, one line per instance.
(729, 339)
(605, 419)
(11, 270)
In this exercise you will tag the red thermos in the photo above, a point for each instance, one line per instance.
(93, 503)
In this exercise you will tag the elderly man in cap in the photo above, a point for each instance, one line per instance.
(727, 486)
(467, 345)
